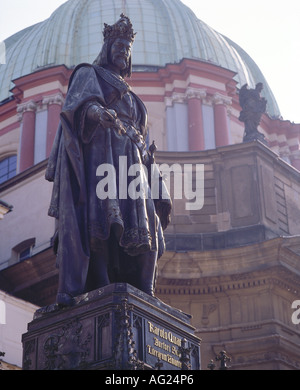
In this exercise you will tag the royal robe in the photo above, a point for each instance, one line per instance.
(84, 220)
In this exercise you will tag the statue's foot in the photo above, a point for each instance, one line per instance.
(255, 136)
(64, 300)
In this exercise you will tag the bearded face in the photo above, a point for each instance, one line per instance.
(120, 53)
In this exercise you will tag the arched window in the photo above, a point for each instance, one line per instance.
(23, 250)
(8, 168)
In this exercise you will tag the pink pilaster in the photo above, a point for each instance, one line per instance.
(221, 119)
(54, 109)
(196, 130)
(27, 112)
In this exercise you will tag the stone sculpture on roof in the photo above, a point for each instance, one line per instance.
(253, 106)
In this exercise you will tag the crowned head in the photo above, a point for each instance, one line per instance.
(121, 30)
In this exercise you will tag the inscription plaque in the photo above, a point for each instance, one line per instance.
(163, 344)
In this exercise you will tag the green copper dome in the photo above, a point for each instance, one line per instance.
(168, 31)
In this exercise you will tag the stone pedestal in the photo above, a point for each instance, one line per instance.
(117, 327)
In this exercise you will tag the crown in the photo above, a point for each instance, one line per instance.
(121, 29)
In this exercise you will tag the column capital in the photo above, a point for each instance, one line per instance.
(176, 97)
(168, 101)
(218, 98)
(54, 99)
(192, 93)
(29, 106)
(183, 97)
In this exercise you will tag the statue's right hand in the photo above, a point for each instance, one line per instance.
(102, 116)
(106, 118)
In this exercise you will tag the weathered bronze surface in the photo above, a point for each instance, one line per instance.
(102, 241)
(253, 106)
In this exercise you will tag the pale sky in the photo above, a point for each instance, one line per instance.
(268, 30)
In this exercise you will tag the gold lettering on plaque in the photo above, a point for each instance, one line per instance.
(161, 341)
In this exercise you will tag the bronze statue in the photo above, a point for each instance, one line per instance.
(253, 106)
(104, 239)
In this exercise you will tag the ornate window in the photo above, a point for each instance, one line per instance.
(8, 168)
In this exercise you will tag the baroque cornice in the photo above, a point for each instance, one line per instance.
(272, 277)
(263, 349)
(279, 251)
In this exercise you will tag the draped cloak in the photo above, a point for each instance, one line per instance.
(80, 147)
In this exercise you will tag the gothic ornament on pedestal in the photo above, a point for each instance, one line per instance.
(68, 348)
(124, 350)
(253, 106)
(185, 355)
